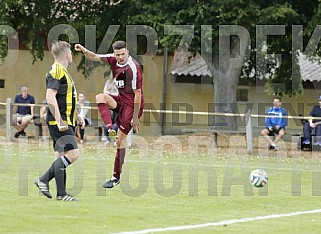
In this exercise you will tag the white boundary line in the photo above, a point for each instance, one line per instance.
(226, 222)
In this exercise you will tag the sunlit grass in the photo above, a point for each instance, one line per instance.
(158, 189)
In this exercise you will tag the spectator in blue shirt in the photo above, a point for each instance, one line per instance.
(23, 115)
(275, 125)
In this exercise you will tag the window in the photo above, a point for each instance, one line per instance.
(242, 95)
(1, 84)
(193, 79)
(311, 85)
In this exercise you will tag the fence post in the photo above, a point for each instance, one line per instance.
(249, 132)
(8, 120)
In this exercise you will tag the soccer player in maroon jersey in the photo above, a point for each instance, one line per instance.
(128, 104)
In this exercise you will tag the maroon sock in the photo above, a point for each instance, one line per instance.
(105, 114)
(119, 161)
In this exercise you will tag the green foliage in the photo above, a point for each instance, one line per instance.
(34, 19)
(248, 14)
(5, 7)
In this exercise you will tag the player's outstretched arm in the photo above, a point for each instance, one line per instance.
(88, 54)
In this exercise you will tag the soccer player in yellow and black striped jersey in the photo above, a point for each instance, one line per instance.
(61, 96)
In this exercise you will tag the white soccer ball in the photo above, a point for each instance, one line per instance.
(258, 178)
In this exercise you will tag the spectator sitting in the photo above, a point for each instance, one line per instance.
(83, 112)
(23, 114)
(110, 88)
(313, 123)
(275, 124)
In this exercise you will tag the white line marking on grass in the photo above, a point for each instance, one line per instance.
(226, 222)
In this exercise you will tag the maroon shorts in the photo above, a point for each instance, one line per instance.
(124, 114)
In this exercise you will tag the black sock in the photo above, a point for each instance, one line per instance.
(57, 170)
(50, 174)
(65, 179)
(82, 133)
(60, 175)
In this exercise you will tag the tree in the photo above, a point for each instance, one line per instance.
(233, 38)
(33, 20)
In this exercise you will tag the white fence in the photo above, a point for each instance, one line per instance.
(9, 106)
(248, 118)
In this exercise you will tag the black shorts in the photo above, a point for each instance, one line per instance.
(63, 141)
(274, 131)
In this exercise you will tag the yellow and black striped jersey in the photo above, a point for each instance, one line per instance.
(59, 79)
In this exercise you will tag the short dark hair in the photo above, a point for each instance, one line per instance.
(119, 45)
(278, 97)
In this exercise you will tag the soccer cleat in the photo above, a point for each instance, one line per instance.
(43, 187)
(111, 183)
(276, 148)
(66, 197)
(112, 134)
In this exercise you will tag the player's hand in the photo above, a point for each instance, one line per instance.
(79, 48)
(62, 126)
(135, 123)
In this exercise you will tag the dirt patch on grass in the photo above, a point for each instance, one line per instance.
(226, 144)
(199, 142)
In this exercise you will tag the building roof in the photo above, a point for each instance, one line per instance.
(310, 70)
(197, 67)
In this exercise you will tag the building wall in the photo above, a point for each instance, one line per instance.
(199, 98)
(23, 72)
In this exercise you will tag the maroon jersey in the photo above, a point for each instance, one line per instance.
(127, 78)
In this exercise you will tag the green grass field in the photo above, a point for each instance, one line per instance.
(159, 189)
